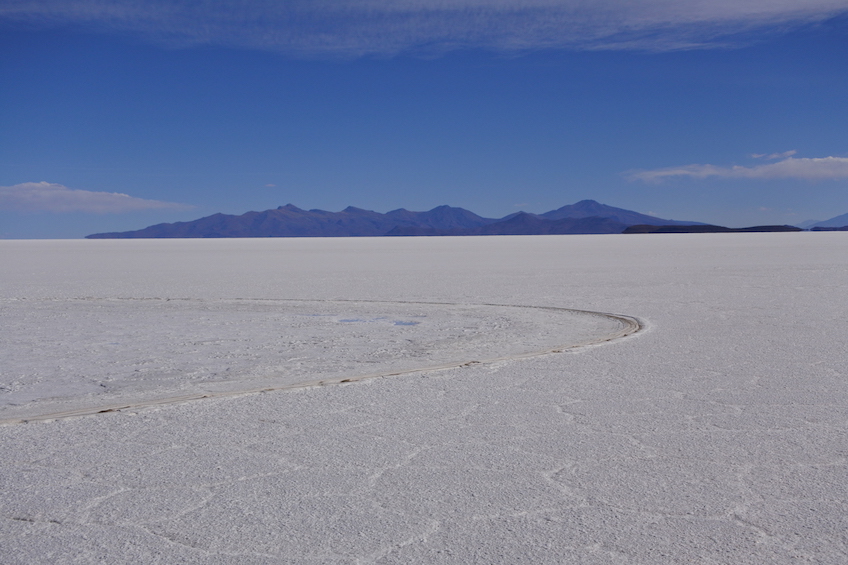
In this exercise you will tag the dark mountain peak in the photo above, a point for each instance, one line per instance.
(354, 210)
(439, 218)
(592, 208)
(520, 216)
(445, 210)
(582, 209)
(291, 208)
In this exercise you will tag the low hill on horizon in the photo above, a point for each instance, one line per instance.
(584, 217)
(709, 228)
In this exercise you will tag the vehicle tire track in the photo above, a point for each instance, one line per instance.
(628, 326)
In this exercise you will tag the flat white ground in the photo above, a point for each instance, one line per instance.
(717, 435)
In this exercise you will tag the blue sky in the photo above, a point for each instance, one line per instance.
(117, 114)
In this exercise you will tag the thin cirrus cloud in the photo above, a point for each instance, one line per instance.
(387, 27)
(50, 197)
(773, 156)
(788, 167)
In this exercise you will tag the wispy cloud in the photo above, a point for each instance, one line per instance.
(820, 168)
(387, 27)
(50, 197)
(773, 156)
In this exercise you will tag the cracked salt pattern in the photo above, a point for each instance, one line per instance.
(716, 436)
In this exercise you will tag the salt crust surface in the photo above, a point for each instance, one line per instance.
(716, 436)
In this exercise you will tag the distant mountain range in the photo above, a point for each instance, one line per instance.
(832, 224)
(584, 217)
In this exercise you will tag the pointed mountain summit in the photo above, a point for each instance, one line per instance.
(441, 218)
(585, 217)
(591, 208)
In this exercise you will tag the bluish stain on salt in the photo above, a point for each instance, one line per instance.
(380, 319)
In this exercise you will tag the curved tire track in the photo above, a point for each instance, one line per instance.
(629, 327)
